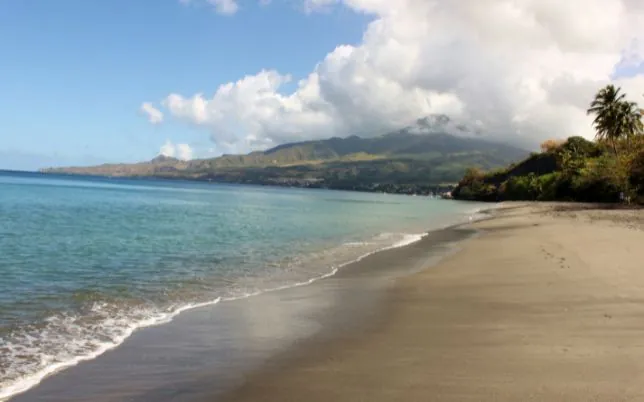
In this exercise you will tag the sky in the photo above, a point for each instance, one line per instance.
(87, 82)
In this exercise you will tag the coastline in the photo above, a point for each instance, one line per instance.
(544, 305)
(318, 304)
(166, 266)
(431, 190)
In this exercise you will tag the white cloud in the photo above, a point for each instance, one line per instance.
(154, 115)
(224, 7)
(184, 152)
(525, 70)
(168, 149)
(179, 151)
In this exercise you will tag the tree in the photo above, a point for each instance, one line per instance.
(581, 147)
(629, 119)
(636, 175)
(615, 118)
(472, 174)
(551, 145)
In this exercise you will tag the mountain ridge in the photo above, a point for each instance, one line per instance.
(420, 155)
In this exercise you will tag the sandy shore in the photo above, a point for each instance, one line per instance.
(547, 304)
(207, 352)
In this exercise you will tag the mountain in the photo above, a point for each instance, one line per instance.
(429, 137)
(426, 153)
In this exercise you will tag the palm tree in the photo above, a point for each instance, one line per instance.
(630, 119)
(609, 114)
(615, 118)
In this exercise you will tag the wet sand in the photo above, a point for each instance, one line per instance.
(207, 352)
(547, 304)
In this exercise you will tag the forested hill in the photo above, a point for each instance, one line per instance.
(609, 169)
(417, 156)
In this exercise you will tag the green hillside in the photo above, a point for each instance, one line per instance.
(399, 161)
(610, 169)
(395, 145)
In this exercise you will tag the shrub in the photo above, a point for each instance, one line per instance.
(521, 188)
(636, 174)
(581, 147)
(548, 184)
(595, 189)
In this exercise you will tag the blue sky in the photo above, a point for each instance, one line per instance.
(74, 72)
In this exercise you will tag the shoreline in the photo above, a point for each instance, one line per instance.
(436, 189)
(31, 382)
(544, 305)
(60, 378)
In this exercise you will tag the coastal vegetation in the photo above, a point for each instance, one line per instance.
(608, 169)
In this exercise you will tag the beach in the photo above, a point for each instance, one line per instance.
(545, 304)
(535, 302)
(118, 288)
(206, 353)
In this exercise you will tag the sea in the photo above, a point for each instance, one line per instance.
(87, 261)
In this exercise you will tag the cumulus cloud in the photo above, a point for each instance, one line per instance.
(523, 70)
(154, 115)
(179, 151)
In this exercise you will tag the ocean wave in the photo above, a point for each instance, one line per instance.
(356, 244)
(67, 339)
(30, 354)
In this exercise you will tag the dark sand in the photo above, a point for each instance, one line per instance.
(546, 305)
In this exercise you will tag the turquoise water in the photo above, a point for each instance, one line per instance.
(84, 262)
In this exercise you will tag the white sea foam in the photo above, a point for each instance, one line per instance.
(408, 239)
(479, 212)
(84, 342)
(81, 343)
(356, 244)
